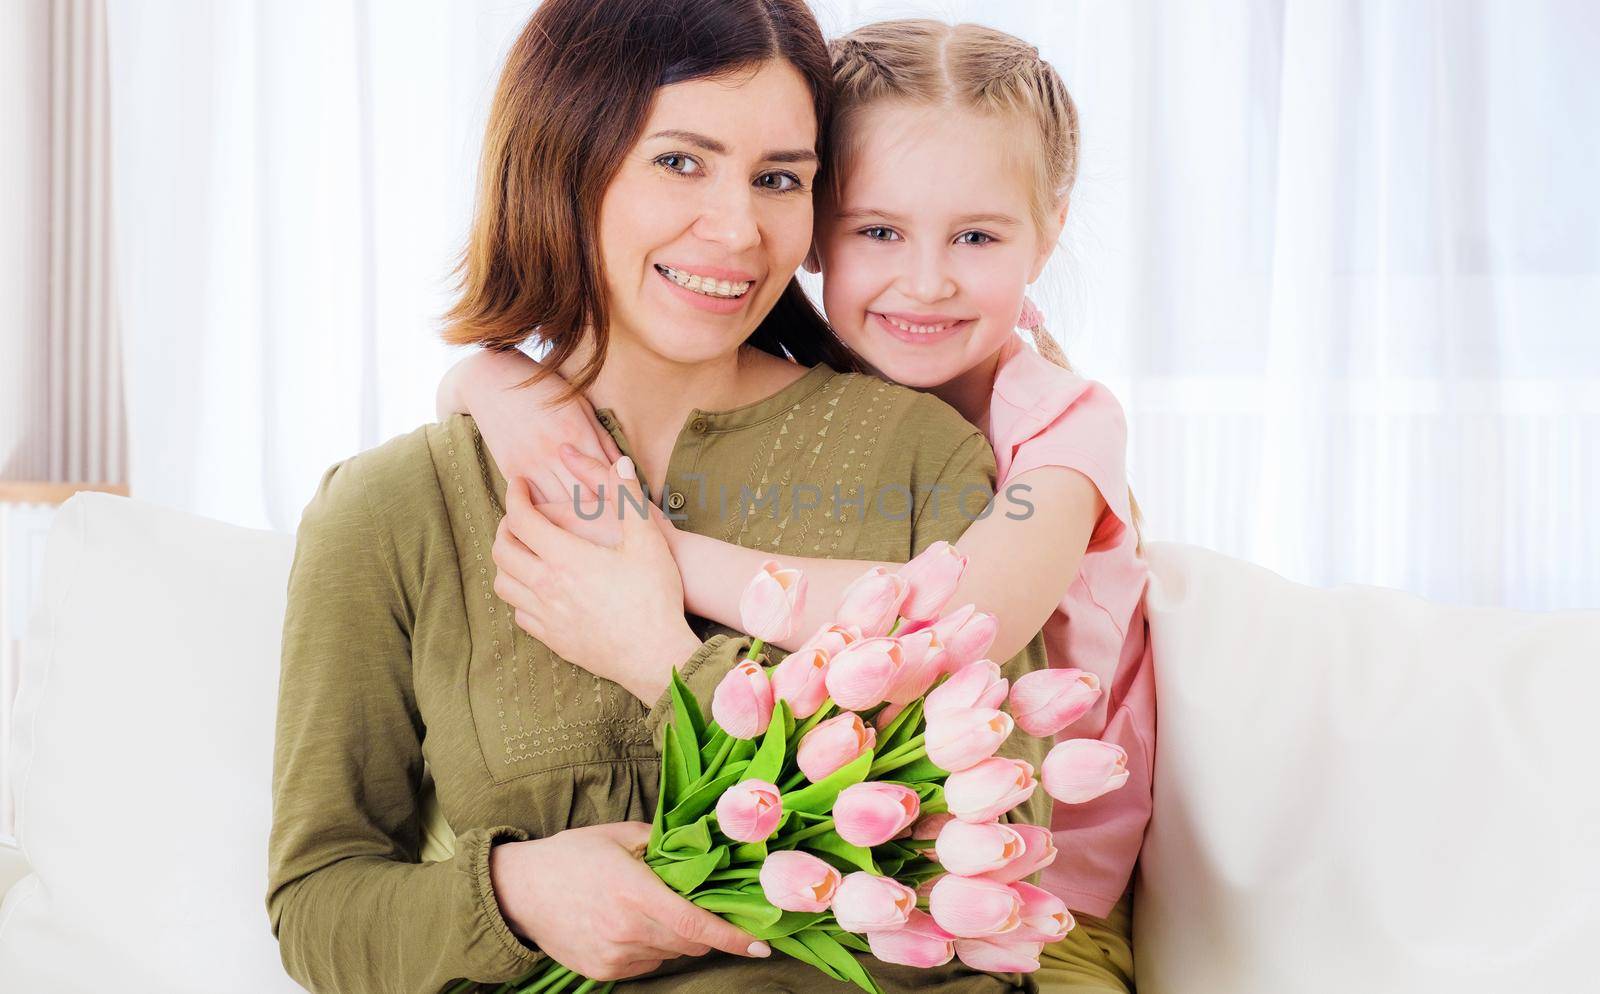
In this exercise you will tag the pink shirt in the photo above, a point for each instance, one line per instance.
(1044, 415)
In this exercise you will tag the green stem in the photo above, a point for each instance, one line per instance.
(755, 649)
(907, 754)
(818, 717)
(820, 828)
(894, 627)
(551, 981)
(710, 773)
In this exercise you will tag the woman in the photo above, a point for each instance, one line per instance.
(645, 202)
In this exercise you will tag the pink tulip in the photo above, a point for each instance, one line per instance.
(973, 849)
(802, 680)
(749, 811)
(961, 739)
(866, 902)
(833, 744)
(990, 789)
(831, 639)
(970, 907)
(798, 881)
(999, 955)
(772, 602)
(924, 655)
(1080, 770)
(919, 942)
(1040, 853)
(1046, 701)
(1045, 917)
(872, 602)
(742, 702)
(976, 685)
(860, 676)
(925, 889)
(929, 826)
(871, 813)
(966, 634)
(932, 577)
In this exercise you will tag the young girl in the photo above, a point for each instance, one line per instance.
(953, 153)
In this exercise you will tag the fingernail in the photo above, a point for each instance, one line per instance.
(625, 468)
(760, 949)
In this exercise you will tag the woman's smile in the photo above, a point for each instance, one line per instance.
(708, 288)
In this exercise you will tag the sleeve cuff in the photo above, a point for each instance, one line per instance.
(701, 672)
(490, 940)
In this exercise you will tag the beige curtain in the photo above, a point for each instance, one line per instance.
(61, 410)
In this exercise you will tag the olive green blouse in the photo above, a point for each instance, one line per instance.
(404, 674)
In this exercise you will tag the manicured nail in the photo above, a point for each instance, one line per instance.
(625, 468)
(760, 949)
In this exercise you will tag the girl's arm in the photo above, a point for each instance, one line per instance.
(524, 426)
(1021, 558)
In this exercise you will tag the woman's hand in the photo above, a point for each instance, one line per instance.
(586, 898)
(525, 427)
(614, 609)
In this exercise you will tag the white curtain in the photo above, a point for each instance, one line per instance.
(1340, 261)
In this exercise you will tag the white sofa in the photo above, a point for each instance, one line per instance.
(1356, 790)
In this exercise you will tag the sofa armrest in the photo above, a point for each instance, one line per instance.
(12, 866)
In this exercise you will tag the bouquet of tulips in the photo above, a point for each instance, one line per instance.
(850, 799)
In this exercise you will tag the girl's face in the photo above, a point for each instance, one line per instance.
(927, 254)
(710, 213)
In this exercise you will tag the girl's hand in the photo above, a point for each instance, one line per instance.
(616, 611)
(525, 427)
(586, 898)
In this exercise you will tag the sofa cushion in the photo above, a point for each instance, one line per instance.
(143, 758)
(1359, 790)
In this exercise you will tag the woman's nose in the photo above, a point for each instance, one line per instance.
(729, 219)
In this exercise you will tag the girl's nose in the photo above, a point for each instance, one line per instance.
(929, 280)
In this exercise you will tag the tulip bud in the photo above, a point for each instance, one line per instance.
(1040, 853)
(860, 676)
(998, 955)
(866, 902)
(742, 702)
(924, 656)
(973, 849)
(749, 811)
(931, 577)
(831, 639)
(961, 739)
(988, 790)
(976, 685)
(801, 679)
(1046, 701)
(966, 635)
(1080, 770)
(833, 744)
(772, 601)
(798, 881)
(872, 603)
(1045, 917)
(971, 906)
(920, 943)
(871, 813)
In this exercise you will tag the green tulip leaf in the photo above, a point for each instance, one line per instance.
(819, 797)
(768, 762)
(791, 945)
(921, 771)
(684, 842)
(830, 844)
(686, 716)
(836, 956)
(750, 852)
(684, 876)
(675, 777)
(699, 800)
(902, 729)
(751, 906)
(790, 923)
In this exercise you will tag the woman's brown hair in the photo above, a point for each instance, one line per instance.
(573, 97)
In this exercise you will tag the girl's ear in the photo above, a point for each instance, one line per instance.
(1057, 222)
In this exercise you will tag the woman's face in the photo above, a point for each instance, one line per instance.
(710, 213)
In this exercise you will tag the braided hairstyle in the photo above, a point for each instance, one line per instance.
(929, 63)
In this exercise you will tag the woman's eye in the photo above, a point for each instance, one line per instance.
(678, 163)
(879, 233)
(779, 182)
(974, 238)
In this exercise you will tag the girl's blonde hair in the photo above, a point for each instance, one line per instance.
(928, 63)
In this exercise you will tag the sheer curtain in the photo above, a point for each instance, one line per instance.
(1339, 260)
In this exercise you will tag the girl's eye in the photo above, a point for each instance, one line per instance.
(779, 182)
(678, 163)
(879, 233)
(974, 238)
